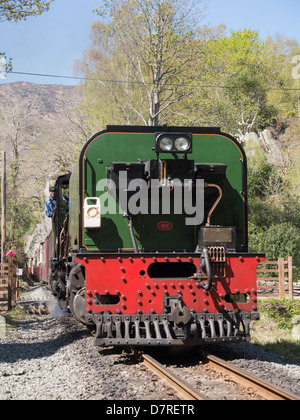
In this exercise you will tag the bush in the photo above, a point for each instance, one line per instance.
(263, 180)
(263, 214)
(255, 238)
(281, 241)
(281, 310)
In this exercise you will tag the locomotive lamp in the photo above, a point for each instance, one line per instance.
(173, 143)
(92, 213)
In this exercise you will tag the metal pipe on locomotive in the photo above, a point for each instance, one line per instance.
(136, 262)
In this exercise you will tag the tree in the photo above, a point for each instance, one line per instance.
(5, 66)
(282, 51)
(151, 63)
(18, 135)
(144, 56)
(282, 240)
(16, 10)
(242, 72)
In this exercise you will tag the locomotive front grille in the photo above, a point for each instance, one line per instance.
(217, 254)
(162, 330)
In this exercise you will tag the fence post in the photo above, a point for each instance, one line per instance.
(281, 277)
(290, 273)
(9, 282)
(12, 288)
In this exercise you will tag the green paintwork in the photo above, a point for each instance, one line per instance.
(74, 207)
(114, 234)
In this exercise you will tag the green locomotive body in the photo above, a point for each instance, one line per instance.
(212, 150)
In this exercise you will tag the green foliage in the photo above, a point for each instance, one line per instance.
(281, 310)
(290, 208)
(16, 10)
(5, 66)
(157, 65)
(282, 240)
(145, 56)
(255, 237)
(273, 232)
(274, 208)
(20, 220)
(13, 319)
(263, 180)
(262, 215)
(280, 52)
(246, 67)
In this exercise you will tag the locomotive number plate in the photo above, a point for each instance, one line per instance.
(164, 226)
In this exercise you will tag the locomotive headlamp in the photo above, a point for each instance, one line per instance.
(165, 144)
(182, 144)
(173, 143)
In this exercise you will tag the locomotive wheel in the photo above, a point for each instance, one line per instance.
(77, 306)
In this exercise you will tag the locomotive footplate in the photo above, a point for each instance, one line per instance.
(156, 329)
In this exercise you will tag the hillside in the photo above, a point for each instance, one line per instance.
(39, 132)
(35, 122)
(48, 99)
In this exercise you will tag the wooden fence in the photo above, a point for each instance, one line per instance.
(279, 280)
(8, 282)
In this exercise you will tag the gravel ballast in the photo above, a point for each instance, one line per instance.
(47, 358)
(55, 359)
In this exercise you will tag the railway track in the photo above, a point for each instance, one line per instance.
(252, 384)
(181, 386)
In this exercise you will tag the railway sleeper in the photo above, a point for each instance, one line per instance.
(157, 329)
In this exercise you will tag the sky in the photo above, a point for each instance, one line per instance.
(52, 42)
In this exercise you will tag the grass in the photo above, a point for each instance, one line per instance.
(273, 332)
(13, 319)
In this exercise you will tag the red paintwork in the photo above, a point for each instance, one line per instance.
(164, 226)
(40, 265)
(127, 277)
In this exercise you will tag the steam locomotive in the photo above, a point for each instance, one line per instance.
(149, 244)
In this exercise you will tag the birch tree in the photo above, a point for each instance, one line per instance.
(145, 56)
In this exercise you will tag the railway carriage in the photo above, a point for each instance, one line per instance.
(152, 248)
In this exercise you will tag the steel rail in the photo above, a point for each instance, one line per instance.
(182, 387)
(252, 383)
